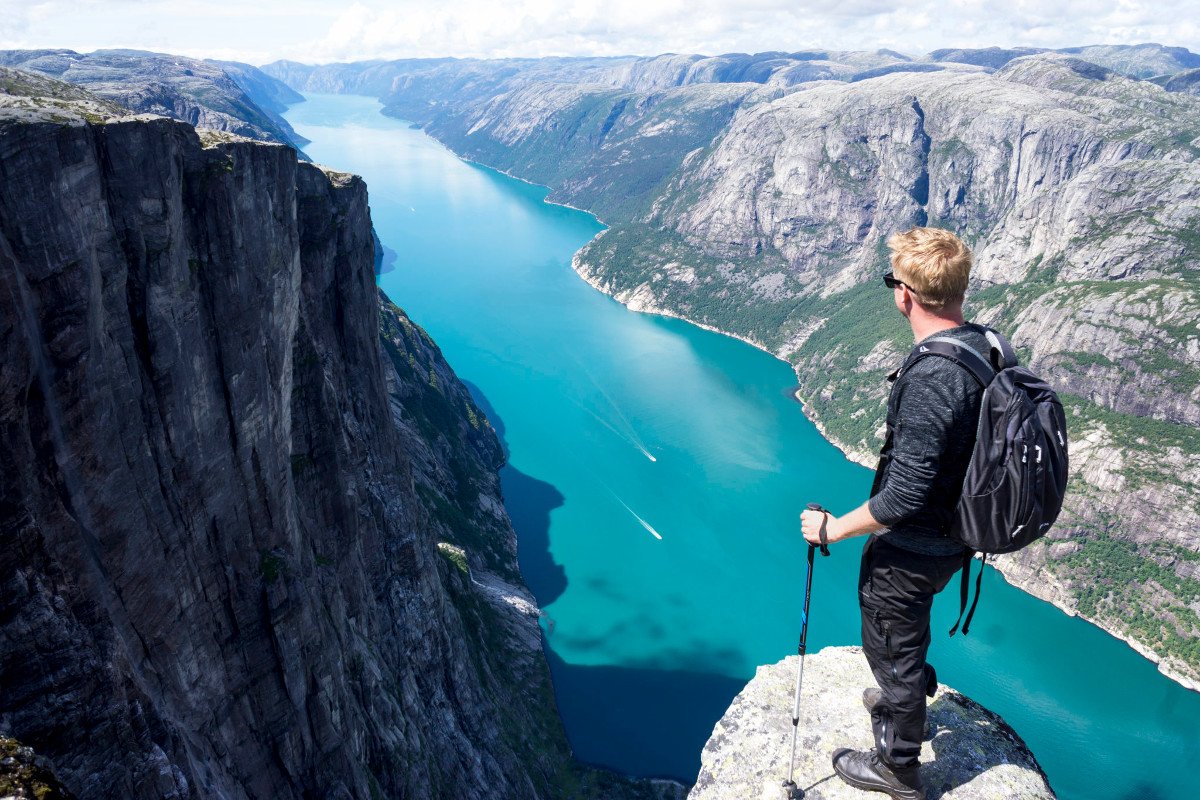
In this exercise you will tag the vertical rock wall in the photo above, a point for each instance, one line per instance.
(219, 573)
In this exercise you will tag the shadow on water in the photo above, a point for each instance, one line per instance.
(529, 502)
(674, 710)
(665, 716)
(385, 257)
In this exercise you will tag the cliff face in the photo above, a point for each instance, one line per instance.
(253, 540)
(762, 209)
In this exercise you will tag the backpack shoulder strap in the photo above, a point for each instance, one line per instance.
(960, 353)
(1002, 354)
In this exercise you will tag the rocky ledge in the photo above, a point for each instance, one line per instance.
(24, 776)
(972, 753)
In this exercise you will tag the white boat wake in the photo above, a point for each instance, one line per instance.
(636, 516)
(633, 441)
(629, 434)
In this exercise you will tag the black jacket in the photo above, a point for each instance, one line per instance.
(932, 415)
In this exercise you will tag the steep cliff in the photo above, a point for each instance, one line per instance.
(762, 209)
(253, 539)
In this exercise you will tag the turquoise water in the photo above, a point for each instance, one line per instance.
(656, 474)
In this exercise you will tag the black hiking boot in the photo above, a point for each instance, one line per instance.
(864, 770)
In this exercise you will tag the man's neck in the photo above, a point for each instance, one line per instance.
(925, 324)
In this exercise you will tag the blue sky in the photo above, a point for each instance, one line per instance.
(259, 31)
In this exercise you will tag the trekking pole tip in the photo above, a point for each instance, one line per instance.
(790, 791)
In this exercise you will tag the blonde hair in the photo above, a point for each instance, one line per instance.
(933, 263)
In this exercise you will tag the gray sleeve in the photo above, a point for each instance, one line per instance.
(931, 409)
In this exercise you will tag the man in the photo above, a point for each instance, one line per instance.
(932, 413)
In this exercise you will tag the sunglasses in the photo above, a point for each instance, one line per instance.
(891, 281)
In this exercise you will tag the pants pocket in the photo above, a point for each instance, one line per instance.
(865, 582)
(884, 626)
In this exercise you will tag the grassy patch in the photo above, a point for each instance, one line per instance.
(455, 555)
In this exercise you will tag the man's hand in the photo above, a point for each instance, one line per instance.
(811, 523)
(856, 523)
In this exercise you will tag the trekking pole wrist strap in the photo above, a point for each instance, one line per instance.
(823, 531)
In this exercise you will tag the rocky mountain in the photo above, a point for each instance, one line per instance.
(270, 95)
(254, 544)
(1186, 81)
(1138, 60)
(970, 754)
(761, 209)
(226, 96)
(1142, 61)
(440, 81)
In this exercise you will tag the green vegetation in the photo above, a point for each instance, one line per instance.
(1082, 359)
(626, 145)
(448, 418)
(21, 775)
(849, 400)
(1113, 580)
(636, 254)
(1040, 279)
(456, 556)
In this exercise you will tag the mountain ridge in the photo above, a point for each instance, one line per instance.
(220, 95)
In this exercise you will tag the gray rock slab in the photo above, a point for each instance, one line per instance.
(973, 754)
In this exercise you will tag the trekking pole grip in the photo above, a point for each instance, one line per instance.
(824, 534)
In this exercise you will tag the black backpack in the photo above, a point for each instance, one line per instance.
(1017, 475)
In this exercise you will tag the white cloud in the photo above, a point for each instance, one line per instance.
(320, 30)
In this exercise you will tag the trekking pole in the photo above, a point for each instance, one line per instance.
(789, 786)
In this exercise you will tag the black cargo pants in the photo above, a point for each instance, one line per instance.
(895, 595)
